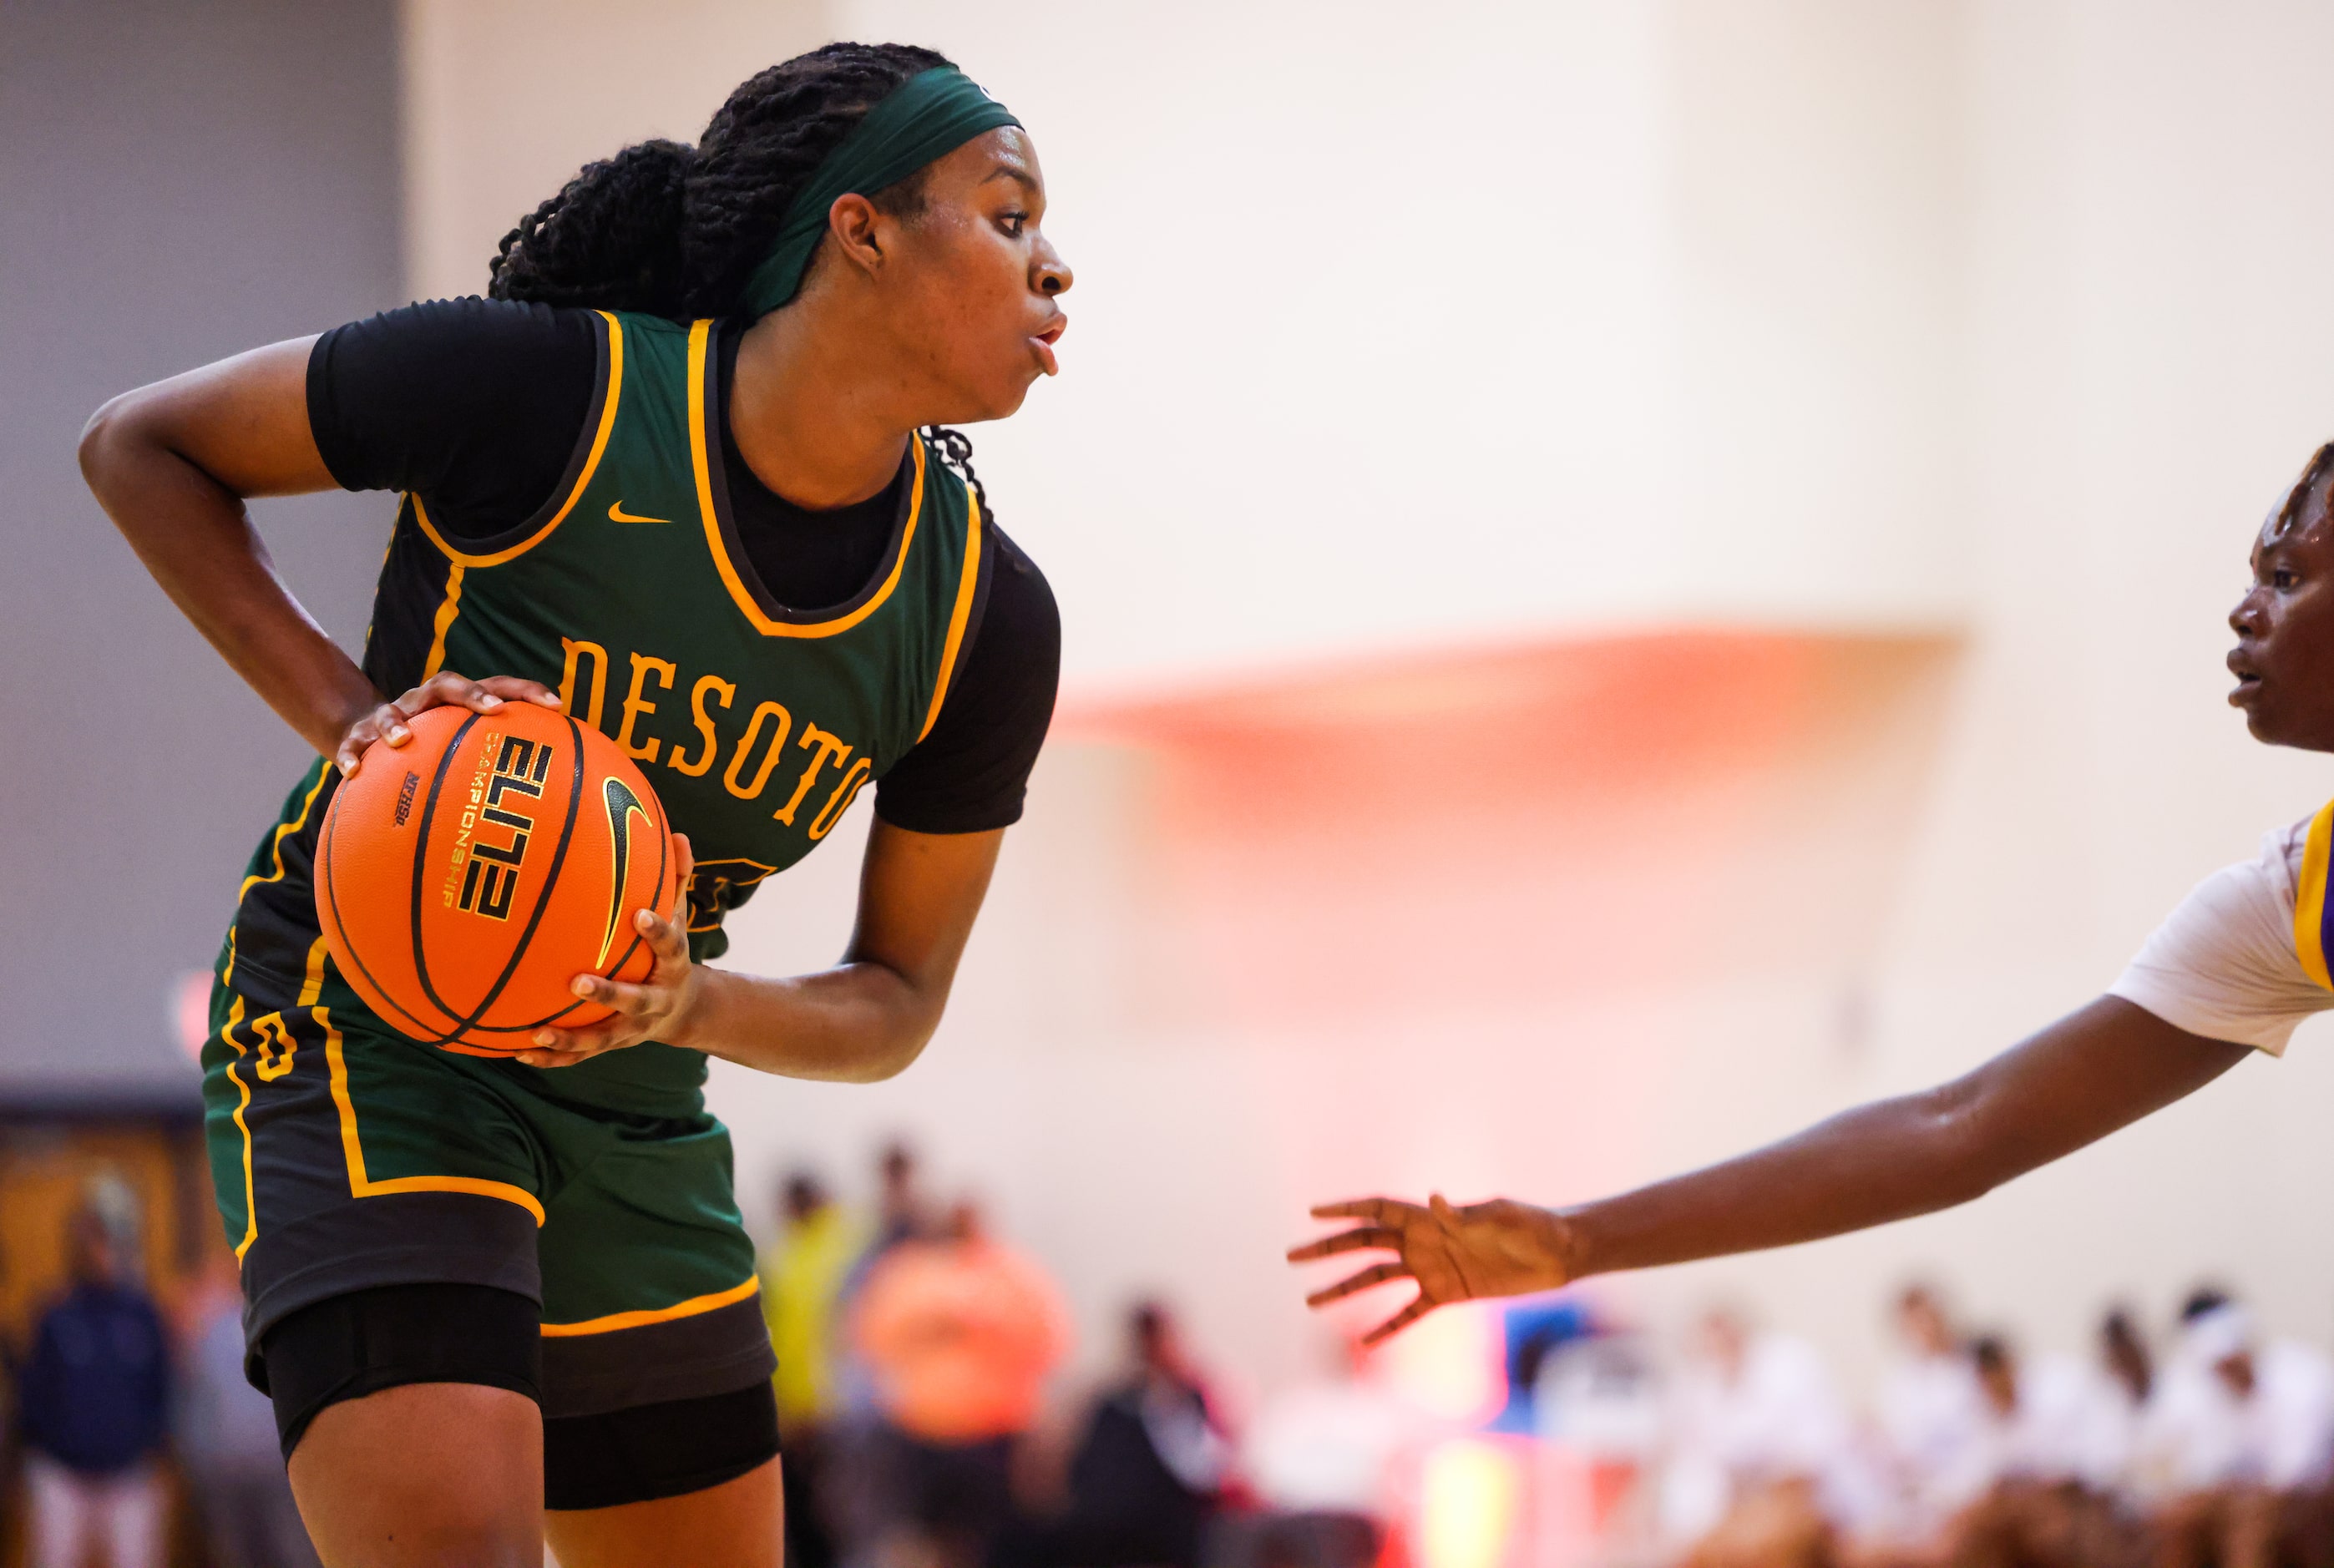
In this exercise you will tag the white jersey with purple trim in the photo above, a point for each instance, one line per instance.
(2242, 958)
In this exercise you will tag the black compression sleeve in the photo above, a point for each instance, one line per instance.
(475, 404)
(971, 774)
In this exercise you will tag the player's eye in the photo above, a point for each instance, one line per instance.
(2285, 577)
(1012, 222)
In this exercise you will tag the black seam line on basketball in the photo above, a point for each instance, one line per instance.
(333, 897)
(420, 866)
(664, 859)
(550, 880)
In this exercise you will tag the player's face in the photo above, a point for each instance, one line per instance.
(981, 293)
(2284, 657)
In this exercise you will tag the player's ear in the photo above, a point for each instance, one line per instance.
(851, 227)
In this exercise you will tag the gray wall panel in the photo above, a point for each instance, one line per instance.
(179, 179)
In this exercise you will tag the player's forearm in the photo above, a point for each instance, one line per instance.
(858, 1023)
(2100, 1068)
(193, 535)
(1880, 1162)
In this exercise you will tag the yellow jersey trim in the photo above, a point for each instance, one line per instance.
(583, 480)
(361, 1184)
(961, 614)
(700, 335)
(2309, 899)
(687, 1309)
(282, 830)
(242, 1104)
(447, 610)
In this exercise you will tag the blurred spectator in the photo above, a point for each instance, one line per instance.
(227, 1439)
(93, 1402)
(803, 1276)
(1931, 1413)
(960, 1332)
(2231, 1413)
(1146, 1470)
(901, 1212)
(2124, 1353)
(1758, 1429)
(2054, 1423)
(1320, 1459)
(902, 1215)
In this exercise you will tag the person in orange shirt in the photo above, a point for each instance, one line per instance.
(961, 1333)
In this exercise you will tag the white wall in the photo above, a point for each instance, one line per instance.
(1403, 324)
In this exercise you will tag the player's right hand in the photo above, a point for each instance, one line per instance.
(386, 723)
(1497, 1248)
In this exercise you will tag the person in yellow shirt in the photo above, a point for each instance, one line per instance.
(803, 1274)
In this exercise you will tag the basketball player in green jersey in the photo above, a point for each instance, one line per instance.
(2234, 968)
(670, 477)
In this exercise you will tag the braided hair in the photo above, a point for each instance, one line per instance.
(673, 230)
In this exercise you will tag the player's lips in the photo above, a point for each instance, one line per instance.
(1044, 343)
(2249, 678)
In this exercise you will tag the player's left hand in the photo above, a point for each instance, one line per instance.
(655, 1008)
(1454, 1253)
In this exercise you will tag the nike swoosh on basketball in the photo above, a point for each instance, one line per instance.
(621, 805)
(616, 513)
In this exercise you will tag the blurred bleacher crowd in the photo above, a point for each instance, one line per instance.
(916, 1350)
(929, 1424)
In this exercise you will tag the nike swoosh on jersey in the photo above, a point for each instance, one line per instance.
(616, 513)
(621, 805)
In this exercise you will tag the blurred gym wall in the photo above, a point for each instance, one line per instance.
(1785, 462)
(185, 179)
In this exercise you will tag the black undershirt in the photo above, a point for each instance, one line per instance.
(475, 406)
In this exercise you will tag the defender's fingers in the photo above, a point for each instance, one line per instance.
(1399, 1321)
(1364, 1236)
(1378, 1273)
(1377, 1210)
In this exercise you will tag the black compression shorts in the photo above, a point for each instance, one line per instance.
(348, 1346)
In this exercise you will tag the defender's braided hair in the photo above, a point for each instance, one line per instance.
(672, 230)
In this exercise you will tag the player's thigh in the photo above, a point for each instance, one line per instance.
(739, 1524)
(424, 1474)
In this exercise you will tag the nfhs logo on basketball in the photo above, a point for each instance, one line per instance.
(461, 896)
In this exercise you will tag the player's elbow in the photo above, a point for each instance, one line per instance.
(1968, 1154)
(109, 436)
(895, 1054)
(100, 436)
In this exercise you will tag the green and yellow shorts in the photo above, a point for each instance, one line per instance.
(346, 1157)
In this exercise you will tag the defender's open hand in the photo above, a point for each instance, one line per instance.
(1496, 1248)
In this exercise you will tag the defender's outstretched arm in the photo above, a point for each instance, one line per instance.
(2102, 1067)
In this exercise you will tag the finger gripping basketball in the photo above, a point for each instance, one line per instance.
(465, 879)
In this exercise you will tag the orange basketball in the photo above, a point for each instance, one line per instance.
(465, 878)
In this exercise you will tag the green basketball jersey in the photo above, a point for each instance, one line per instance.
(629, 593)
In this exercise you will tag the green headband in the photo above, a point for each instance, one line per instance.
(928, 116)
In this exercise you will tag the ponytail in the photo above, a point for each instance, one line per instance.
(676, 231)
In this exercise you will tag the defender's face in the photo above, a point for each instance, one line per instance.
(2284, 657)
(984, 287)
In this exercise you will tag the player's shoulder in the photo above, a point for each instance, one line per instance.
(440, 334)
(1021, 607)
